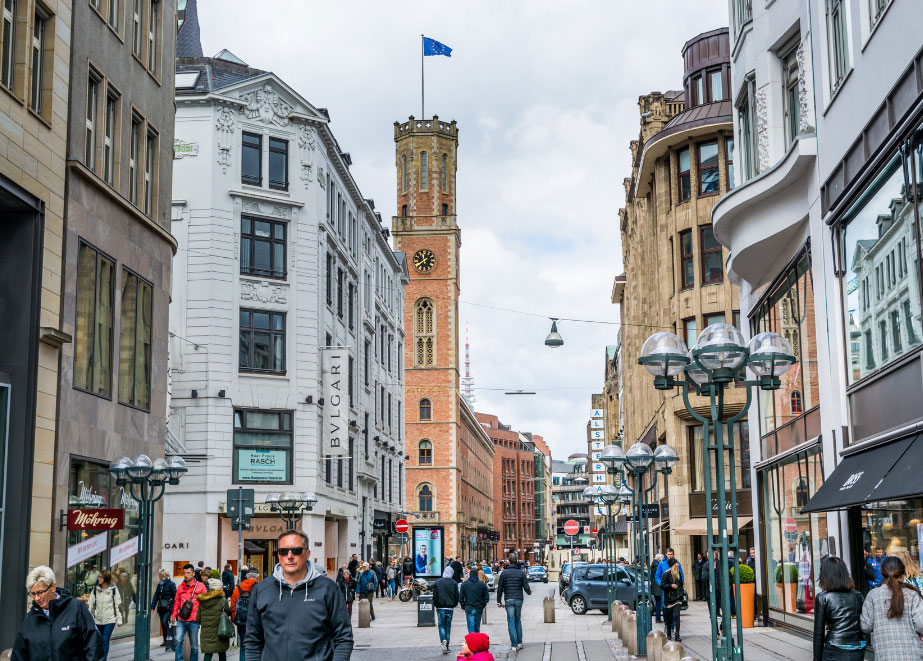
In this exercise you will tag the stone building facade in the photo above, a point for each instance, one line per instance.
(286, 324)
(674, 276)
(449, 486)
(33, 152)
(118, 256)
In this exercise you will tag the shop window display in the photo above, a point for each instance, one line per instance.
(895, 525)
(90, 486)
(795, 541)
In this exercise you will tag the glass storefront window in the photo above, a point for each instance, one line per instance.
(697, 447)
(895, 525)
(91, 487)
(881, 287)
(788, 309)
(794, 542)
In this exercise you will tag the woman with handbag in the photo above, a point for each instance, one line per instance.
(104, 604)
(213, 617)
(672, 584)
(163, 603)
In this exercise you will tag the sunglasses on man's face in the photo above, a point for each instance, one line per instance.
(295, 550)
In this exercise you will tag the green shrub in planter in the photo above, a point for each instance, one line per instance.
(747, 575)
(791, 573)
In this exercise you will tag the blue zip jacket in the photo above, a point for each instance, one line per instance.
(368, 580)
(664, 566)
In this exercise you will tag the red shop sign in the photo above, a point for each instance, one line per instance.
(95, 519)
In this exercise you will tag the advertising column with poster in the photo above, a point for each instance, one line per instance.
(428, 552)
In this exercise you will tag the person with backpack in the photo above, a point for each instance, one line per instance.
(104, 604)
(227, 581)
(162, 602)
(368, 579)
(212, 605)
(240, 605)
(185, 607)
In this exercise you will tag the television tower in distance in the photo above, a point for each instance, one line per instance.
(467, 382)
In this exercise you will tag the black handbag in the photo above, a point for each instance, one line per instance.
(185, 611)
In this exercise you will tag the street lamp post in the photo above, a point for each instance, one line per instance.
(145, 481)
(606, 495)
(638, 461)
(290, 505)
(719, 357)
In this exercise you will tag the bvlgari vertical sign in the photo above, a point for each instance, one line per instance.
(336, 400)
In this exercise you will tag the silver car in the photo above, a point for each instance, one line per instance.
(491, 578)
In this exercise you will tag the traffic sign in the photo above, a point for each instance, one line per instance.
(595, 531)
(571, 527)
(576, 553)
(791, 526)
(240, 507)
(401, 526)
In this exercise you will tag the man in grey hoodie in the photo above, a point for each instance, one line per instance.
(310, 622)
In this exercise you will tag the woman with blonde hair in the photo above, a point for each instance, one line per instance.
(672, 584)
(162, 602)
(912, 573)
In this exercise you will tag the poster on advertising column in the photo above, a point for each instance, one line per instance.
(427, 549)
(336, 401)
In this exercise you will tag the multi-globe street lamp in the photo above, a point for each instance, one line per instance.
(606, 495)
(637, 462)
(145, 481)
(720, 357)
(291, 505)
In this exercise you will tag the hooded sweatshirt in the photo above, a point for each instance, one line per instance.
(307, 621)
(474, 593)
(445, 590)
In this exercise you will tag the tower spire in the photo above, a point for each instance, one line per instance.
(467, 381)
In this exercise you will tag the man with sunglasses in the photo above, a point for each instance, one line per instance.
(297, 613)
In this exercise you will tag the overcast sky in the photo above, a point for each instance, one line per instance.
(545, 94)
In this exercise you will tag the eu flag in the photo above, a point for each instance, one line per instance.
(433, 47)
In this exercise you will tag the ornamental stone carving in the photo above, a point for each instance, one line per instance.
(307, 141)
(225, 123)
(321, 178)
(263, 292)
(266, 209)
(762, 130)
(805, 99)
(267, 106)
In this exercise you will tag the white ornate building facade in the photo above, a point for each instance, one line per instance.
(280, 258)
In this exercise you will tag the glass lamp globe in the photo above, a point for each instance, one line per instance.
(663, 354)
(625, 493)
(310, 499)
(589, 492)
(608, 494)
(272, 499)
(665, 456)
(696, 373)
(160, 472)
(290, 499)
(720, 346)
(639, 456)
(770, 355)
(140, 468)
(117, 467)
(176, 467)
(612, 455)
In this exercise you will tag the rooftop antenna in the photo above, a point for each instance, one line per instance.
(468, 381)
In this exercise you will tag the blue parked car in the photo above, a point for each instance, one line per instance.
(537, 573)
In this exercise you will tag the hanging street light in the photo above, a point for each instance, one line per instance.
(720, 356)
(291, 505)
(145, 481)
(554, 339)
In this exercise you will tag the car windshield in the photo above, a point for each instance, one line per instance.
(486, 571)
(536, 569)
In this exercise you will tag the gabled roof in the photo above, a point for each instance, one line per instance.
(228, 56)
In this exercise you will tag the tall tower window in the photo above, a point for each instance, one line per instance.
(444, 176)
(404, 173)
(424, 330)
(426, 409)
(445, 209)
(425, 498)
(424, 179)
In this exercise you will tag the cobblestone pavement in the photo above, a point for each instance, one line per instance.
(394, 636)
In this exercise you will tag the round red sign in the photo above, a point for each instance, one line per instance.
(401, 526)
(791, 525)
(571, 527)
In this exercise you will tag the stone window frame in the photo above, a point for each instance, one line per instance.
(683, 257)
(425, 410)
(274, 333)
(418, 495)
(425, 452)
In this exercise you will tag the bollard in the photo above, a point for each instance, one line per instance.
(631, 632)
(673, 651)
(548, 606)
(624, 610)
(655, 641)
(484, 615)
(365, 616)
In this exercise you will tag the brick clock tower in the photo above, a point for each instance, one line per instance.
(448, 483)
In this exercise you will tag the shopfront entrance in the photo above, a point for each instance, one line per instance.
(260, 543)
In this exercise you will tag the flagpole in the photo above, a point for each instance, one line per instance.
(422, 80)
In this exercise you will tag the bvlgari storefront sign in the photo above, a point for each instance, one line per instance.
(336, 401)
(95, 519)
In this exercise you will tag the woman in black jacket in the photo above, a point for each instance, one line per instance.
(837, 610)
(407, 569)
(162, 602)
(672, 585)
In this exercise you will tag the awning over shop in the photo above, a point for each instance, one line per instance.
(860, 477)
(698, 526)
(660, 525)
(903, 479)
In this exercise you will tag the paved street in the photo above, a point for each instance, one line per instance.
(394, 636)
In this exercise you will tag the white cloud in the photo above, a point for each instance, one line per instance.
(545, 95)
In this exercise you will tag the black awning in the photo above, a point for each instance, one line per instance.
(858, 477)
(903, 479)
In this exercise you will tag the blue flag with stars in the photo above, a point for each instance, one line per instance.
(433, 47)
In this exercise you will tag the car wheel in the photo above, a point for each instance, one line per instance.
(578, 605)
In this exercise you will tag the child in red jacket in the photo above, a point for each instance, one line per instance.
(476, 648)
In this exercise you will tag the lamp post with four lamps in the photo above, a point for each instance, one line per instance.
(606, 495)
(291, 505)
(145, 481)
(720, 357)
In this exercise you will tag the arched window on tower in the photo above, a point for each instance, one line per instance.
(425, 333)
(426, 409)
(444, 176)
(425, 498)
(797, 406)
(425, 451)
(404, 173)
(404, 210)
(424, 178)
(445, 209)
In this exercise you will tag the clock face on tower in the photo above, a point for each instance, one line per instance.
(424, 260)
